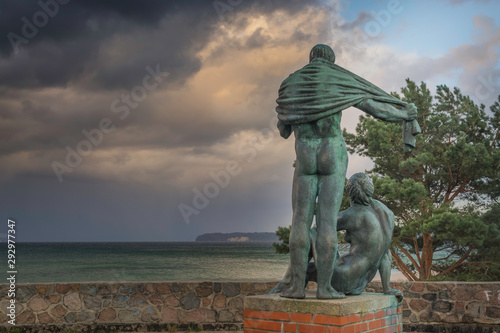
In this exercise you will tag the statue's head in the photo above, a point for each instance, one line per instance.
(360, 189)
(322, 51)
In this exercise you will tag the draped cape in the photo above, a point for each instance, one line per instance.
(321, 89)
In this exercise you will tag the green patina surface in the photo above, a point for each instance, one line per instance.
(366, 302)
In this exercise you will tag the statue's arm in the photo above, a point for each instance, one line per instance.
(385, 276)
(285, 130)
(341, 220)
(386, 111)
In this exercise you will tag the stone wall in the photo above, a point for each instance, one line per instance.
(132, 306)
(436, 306)
(154, 306)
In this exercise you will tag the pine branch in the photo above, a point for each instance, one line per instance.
(457, 264)
(468, 263)
(450, 187)
(405, 270)
(443, 248)
(493, 141)
(409, 256)
(460, 189)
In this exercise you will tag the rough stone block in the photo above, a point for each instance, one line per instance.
(231, 289)
(59, 311)
(493, 312)
(38, 304)
(190, 301)
(235, 304)
(85, 317)
(149, 314)
(72, 301)
(107, 315)
(418, 305)
(129, 315)
(45, 318)
(476, 309)
(219, 301)
(92, 303)
(225, 316)
(417, 287)
(459, 294)
(25, 318)
(169, 316)
(24, 293)
(70, 318)
(171, 301)
(54, 299)
(62, 288)
(197, 316)
(442, 306)
(429, 296)
(204, 289)
(163, 288)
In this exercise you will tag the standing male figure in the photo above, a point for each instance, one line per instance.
(310, 105)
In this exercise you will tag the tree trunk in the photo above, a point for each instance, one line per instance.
(427, 255)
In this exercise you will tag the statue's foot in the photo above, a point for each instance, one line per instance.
(329, 293)
(294, 292)
(395, 292)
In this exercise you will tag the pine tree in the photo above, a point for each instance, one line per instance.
(439, 190)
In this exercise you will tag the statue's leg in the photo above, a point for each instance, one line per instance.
(284, 284)
(326, 216)
(330, 192)
(303, 202)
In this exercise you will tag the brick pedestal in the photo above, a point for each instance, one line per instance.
(367, 312)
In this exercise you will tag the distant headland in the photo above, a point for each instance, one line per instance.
(238, 237)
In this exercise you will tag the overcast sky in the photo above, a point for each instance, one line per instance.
(154, 120)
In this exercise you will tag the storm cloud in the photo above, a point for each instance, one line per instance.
(115, 113)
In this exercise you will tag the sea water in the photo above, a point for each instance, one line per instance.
(144, 261)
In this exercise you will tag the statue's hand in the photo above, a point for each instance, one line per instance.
(395, 292)
(285, 130)
(411, 111)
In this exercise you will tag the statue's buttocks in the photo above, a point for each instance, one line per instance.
(319, 145)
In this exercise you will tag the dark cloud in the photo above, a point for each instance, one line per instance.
(46, 65)
(103, 47)
(224, 65)
(94, 52)
(72, 44)
(71, 21)
(225, 60)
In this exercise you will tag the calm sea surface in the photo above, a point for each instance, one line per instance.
(189, 261)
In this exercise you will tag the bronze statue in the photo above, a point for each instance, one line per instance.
(310, 105)
(369, 225)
